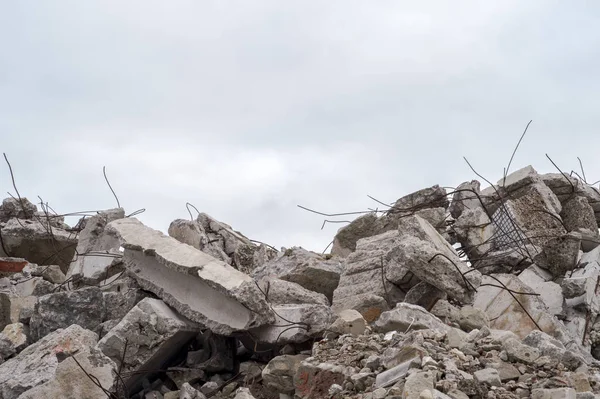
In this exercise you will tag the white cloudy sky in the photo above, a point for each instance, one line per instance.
(248, 108)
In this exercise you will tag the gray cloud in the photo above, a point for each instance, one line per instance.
(246, 109)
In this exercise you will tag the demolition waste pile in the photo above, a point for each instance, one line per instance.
(470, 292)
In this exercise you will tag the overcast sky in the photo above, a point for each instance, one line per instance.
(248, 108)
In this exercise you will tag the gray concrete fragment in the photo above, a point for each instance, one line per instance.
(349, 321)
(317, 317)
(424, 295)
(152, 333)
(431, 259)
(465, 197)
(475, 231)
(488, 376)
(431, 197)
(278, 375)
(37, 363)
(406, 317)
(346, 238)
(14, 208)
(373, 278)
(50, 273)
(71, 382)
(192, 233)
(17, 334)
(555, 393)
(395, 374)
(306, 268)
(279, 292)
(85, 308)
(197, 285)
(539, 280)
(559, 254)
(37, 243)
(471, 318)
(98, 256)
(518, 352)
(577, 215)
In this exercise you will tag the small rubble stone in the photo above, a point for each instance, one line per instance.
(17, 333)
(50, 273)
(349, 321)
(471, 318)
(86, 309)
(557, 393)
(417, 383)
(488, 376)
(519, 352)
(189, 392)
(578, 214)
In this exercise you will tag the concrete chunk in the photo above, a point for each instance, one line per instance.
(152, 333)
(346, 238)
(38, 363)
(98, 256)
(406, 316)
(198, 286)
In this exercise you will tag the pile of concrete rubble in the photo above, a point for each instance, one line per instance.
(464, 294)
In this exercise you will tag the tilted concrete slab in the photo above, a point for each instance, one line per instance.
(198, 286)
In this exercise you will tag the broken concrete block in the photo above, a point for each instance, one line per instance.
(14, 309)
(475, 232)
(98, 257)
(424, 295)
(189, 392)
(550, 292)
(559, 255)
(231, 238)
(349, 321)
(197, 285)
(577, 214)
(488, 376)
(519, 179)
(505, 313)
(471, 318)
(12, 208)
(431, 197)
(310, 320)
(465, 197)
(37, 243)
(308, 269)
(566, 187)
(418, 382)
(373, 279)
(86, 309)
(192, 233)
(406, 317)
(346, 238)
(50, 273)
(518, 352)
(37, 363)
(430, 258)
(395, 374)
(71, 382)
(278, 375)
(152, 333)
(279, 292)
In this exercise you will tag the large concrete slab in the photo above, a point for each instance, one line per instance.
(198, 286)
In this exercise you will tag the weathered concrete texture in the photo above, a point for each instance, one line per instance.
(559, 255)
(98, 255)
(14, 309)
(475, 231)
(37, 364)
(346, 238)
(311, 320)
(540, 281)
(406, 317)
(312, 381)
(555, 393)
(17, 334)
(505, 313)
(50, 273)
(279, 292)
(37, 243)
(85, 308)
(373, 277)
(577, 214)
(15, 208)
(306, 268)
(231, 239)
(465, 197)
(424, 295)
(348, 321)
(431, 197)
(424, 252)
(192, 233)
(71, 382)
(566, 187)
(152, 333)
(278, 375)
(553, 348)
(197, 285)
